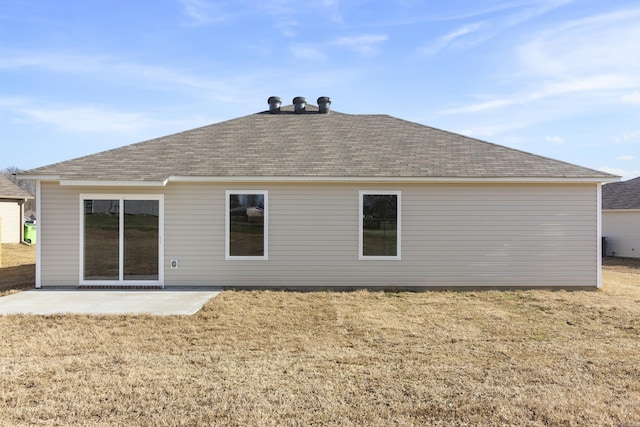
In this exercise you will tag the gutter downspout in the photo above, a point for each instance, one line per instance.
(599, 236)
(39, 245)
(21, 204)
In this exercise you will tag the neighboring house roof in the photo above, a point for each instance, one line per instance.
(621, 195)
(8, 190)
(313, 145)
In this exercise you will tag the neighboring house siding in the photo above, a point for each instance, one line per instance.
(11, 221)
(452, 235)
(622, 230)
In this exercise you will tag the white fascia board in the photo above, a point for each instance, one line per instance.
(93, 182)
(463, 180)
(621, 210)
(39, 177)
(97, 183)
(11, 199)
(384, 179)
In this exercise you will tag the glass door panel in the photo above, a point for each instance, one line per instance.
(101, 239)
(141, 244)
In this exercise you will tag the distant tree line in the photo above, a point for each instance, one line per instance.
(27, 185)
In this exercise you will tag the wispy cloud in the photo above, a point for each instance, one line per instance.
(125, 73)
(287, 13)
(528, 10)
(222, 89)
(76, 118)
(555, 139)
(501, 13)
(201, 12)
(627, 136)
(332, 9)
(57, 62)
(495, 20)
(585, 46)
(288, 27)
(296, 7)
(489, 129)
(626, 158)
(277, 7)
(549, 89)
(595, 55)
(632, 98)
(307, 52)
(450, 38)
(284, 13)
(365, 45)
(88, 119)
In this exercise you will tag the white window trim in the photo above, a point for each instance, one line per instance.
(363, 193)
(122, 197)
(227, 225)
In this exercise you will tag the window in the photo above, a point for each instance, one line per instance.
(246, 224)
(121, 239)
(380, 225)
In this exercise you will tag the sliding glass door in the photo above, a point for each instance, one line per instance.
(121, 240)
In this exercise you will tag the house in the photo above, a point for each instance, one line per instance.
(12, 199)
(345, 200)
(621, 218)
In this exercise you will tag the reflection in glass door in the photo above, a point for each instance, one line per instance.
(101, 239)
(121, 240)
(141, 239)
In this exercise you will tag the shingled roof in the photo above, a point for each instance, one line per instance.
(313, 145)
(621, 195)
(8, 190)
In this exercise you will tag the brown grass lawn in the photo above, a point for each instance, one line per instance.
(320, 358)
(17, 268)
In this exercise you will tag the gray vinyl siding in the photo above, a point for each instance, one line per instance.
(622, 230)
(59, 230)
(58, 235)
(452, 235)
(11, 222)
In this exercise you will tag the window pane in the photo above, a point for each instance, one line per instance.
(141, 239)
(379, 225)
(101, 239)
(246, 224)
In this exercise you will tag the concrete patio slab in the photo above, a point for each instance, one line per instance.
(161, 302)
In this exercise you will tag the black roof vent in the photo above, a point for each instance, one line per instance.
(274, 104)
(299, 104)
(324, 104)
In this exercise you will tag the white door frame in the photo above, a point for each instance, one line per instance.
(122, 197)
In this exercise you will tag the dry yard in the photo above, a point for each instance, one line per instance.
(356, 358)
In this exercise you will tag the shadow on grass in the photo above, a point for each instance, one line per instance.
(15, 279)
(631, 263)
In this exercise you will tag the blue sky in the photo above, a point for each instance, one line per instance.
(559, 78)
